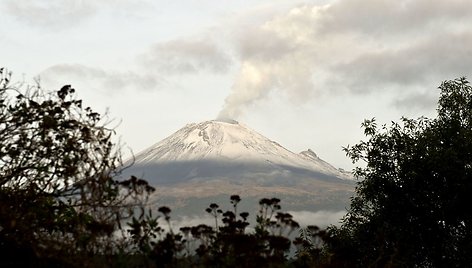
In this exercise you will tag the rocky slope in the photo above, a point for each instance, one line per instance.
(214, 159)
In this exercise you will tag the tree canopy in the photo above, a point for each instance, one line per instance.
(58, 192)
(412, 203)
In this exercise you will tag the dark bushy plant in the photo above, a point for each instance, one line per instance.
(411, 207)
(59, 199)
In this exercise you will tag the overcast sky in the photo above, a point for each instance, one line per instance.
(302, 73)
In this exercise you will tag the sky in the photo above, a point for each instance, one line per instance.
(303, 73)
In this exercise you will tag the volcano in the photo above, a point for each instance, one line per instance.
(215, 159)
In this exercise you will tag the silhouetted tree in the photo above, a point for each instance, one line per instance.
(310, 245)
(59, 200)
(412, 204)
(225, 245)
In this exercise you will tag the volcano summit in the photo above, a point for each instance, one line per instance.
(214, 159)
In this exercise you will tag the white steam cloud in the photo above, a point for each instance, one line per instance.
(252, 84)
(274, 56)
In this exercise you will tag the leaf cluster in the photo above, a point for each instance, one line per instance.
(228, 243)
(411, 203)
(58, 164)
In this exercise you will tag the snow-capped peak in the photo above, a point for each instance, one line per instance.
(228, 140)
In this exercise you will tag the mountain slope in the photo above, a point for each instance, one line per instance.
(221, 141)
(208, 161)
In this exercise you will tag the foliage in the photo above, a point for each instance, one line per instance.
(58, 195)
(411, 207)
(227, 244)
(310, 246)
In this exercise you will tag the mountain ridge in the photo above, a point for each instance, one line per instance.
(229, 141)
(206, 162)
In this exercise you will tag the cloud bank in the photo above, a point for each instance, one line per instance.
(403, 48)
(106, 81)
(63, 14)
(183, 56)
(353, 47)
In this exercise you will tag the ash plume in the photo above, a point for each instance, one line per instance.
(273, 58)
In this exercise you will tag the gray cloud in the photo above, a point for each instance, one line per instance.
(106, 80)
(55, 13)
(264, 45)
(441, 56)
(60, 14)
(353, 46)
(418, 100)
(385, 17)
(187, 56)
(346, 46)
(173, 57)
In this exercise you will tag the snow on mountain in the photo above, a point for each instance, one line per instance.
(327, 167)
(230, 141)
(207, 162)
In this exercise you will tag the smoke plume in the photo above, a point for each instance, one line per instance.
(273, 57)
